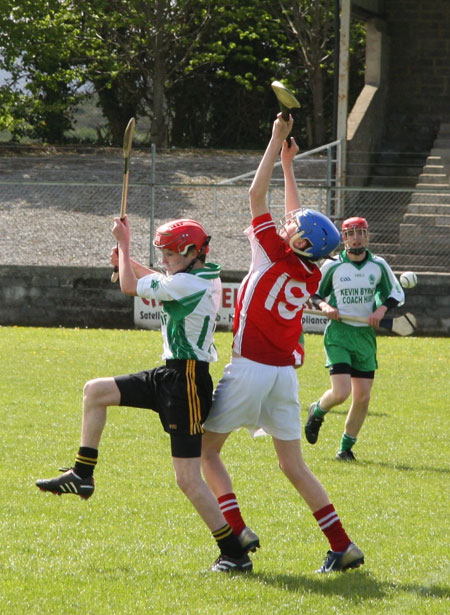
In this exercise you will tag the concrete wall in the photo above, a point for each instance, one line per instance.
(365, 125)
(62, 296)
(419, 61)
(407, 91)
(85, 297)
(419, 73)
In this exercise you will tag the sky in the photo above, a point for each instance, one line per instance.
(4, 75)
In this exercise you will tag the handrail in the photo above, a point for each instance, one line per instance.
(316, 150)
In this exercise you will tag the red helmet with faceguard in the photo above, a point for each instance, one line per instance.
(180, 235)
(354, 223)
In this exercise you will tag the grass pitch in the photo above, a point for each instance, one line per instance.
(137, 546)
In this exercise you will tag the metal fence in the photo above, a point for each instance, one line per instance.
(409, 227)
(57, 209)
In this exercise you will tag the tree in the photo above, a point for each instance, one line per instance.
(200, 70)
(309, 27)
(36, 40)
(143, 57)
(228, 79)
(134, 50)
(107, 45)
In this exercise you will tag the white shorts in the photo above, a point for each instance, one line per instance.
(262, 398)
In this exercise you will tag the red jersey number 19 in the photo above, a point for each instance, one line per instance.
(289, 308)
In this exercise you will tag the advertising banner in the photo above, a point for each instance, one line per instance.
(147, 313)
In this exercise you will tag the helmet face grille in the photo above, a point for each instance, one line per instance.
(352, 225)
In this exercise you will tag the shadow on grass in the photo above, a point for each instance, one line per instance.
(404, 467)
(355, 586)
(344, 412)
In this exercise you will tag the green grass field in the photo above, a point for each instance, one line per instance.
(137, 546)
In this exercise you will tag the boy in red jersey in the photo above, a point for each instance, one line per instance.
(259, 388)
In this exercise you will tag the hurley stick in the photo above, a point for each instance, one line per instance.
(127, 144)
(402, 325)
(286, 100)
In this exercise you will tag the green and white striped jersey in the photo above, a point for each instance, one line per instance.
(358, 288)
(190, 303)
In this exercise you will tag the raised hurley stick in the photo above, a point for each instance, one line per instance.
(127, 144)
(402, 325)
(286, 100)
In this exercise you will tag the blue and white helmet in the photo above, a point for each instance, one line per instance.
(313, 226)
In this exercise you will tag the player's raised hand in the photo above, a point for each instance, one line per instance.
(121, 229)
(289, 151)
(281, 128)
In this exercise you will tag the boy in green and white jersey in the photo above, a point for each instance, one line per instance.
(180, 391)
(190, 303)
(357, 283)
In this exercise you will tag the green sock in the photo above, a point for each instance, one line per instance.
(319, 412)
(346, 442)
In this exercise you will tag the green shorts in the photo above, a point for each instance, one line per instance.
(356, 346)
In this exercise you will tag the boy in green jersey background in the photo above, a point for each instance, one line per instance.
(357, 283)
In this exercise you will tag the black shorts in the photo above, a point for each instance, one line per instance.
(345, 368)
(180, 392)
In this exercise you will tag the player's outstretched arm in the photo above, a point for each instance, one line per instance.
(291, 196)
(140, 271)
(128, 280)
(261, 181)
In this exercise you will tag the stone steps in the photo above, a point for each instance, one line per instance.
(431, 179)
(424, 231)
(428, 208)
(412, 232)
(431, 198)
(410, 257)
(411, 248)
(429, 185)
(428, 219)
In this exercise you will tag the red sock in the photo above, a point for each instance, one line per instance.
(331, 526)
(229, 507)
